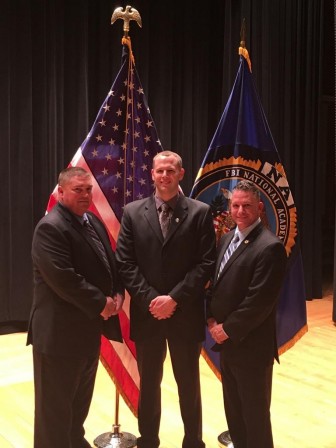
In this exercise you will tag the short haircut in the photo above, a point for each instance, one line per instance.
(68, 173)
(247, 185)
(169, 154)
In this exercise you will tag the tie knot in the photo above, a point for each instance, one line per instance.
(165, 207)
(235, 239)
(87, 224)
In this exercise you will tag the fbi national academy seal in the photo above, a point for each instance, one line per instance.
(216, 180)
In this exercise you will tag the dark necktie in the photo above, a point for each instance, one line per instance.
(93, 234)
(164, 218)
(229, 251)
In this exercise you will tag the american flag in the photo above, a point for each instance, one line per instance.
(118, 151)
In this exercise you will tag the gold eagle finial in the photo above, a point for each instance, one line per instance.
(127, 15)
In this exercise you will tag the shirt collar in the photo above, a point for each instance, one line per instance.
(172, 202)
(243, 233)
(81, 219)
(84, 218)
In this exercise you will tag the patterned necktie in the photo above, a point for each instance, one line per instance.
(229, 251)
(93, 234)
(164, 218)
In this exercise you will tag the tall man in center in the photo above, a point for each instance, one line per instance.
(166, 277)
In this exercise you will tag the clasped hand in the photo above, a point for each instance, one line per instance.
(162, 307)
(217, 332)
(113, 306)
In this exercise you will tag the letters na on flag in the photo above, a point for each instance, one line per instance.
(118, 151)
(243, 148)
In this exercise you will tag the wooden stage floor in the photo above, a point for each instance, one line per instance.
(303, 402)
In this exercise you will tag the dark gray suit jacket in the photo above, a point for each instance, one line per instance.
(180, 265)
(71, 283)
(244, 297)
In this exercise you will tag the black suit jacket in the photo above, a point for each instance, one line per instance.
(180, 265)
(71, 283)
(244, 296)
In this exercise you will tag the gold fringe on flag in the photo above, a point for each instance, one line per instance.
(242, 51)
(127, 41)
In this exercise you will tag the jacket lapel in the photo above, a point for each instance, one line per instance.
(221, 253)
(179, 215)
(78, 227)
(239, 251)
(107, 246)
(151, 216)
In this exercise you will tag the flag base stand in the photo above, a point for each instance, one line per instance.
(115, 439)
(224, 440)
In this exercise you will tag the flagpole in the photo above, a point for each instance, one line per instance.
(224, 438)
(115, 438)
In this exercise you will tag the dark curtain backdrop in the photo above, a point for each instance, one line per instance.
(60, 57)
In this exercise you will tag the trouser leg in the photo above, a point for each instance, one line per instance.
(185, 362)
(247, 400)
(57, 413)
(150, 358)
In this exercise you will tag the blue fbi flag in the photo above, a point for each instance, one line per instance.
(243, 148)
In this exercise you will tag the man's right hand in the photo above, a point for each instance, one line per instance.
(109, 308)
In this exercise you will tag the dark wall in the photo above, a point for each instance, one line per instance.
(60, 57)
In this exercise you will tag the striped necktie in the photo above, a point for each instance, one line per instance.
(93, 234)
(229, 251)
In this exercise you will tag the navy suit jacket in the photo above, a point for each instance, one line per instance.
(71, 283)
(180, 266)
(244, 296)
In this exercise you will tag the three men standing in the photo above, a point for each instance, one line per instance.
(166, 255)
